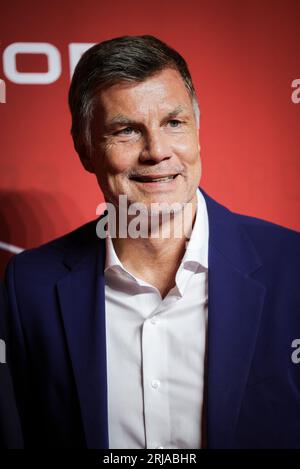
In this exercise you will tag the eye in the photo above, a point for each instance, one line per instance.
(125, 131)
(174, 123)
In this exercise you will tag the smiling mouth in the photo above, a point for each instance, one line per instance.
(154, 178)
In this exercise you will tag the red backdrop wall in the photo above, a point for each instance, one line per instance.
(244, 59)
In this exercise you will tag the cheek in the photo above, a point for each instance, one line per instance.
(110, 166)
(188, 150)
(118, 159)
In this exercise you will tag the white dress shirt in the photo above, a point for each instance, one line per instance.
(156, 350)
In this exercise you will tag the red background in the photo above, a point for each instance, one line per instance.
(243, 56)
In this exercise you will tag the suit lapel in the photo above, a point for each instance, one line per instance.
(235, 303)
(82, 302)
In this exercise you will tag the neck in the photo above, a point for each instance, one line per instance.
(156, 258)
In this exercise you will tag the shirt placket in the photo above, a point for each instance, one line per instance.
(155, 385)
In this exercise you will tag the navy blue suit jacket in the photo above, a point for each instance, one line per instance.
(10, 429)
(57, 334)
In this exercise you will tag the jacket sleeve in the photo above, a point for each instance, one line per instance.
(10, 428)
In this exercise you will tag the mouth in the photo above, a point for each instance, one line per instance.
(155, 178)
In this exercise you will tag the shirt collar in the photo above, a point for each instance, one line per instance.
(197, 246)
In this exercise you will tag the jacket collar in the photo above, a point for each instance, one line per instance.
(82, 304)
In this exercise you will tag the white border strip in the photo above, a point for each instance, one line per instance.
(10, 248)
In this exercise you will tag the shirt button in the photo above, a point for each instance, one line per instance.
(153, 321)
(155, 384)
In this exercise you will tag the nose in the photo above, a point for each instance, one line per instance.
(156, 147)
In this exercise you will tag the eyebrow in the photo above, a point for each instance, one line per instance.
(121, 119)
(178, 110)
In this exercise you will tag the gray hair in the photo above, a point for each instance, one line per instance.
(126, 58)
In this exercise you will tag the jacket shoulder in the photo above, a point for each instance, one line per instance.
(272, 241)
(265, 228)
(54, 251)
(276, 244)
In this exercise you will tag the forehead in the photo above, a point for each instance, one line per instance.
(162, 92)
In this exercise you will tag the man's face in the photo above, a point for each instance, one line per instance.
(145, 141)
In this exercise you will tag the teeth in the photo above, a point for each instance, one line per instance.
(167, 178)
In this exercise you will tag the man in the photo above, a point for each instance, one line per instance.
(10, 430)
(153, 341)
